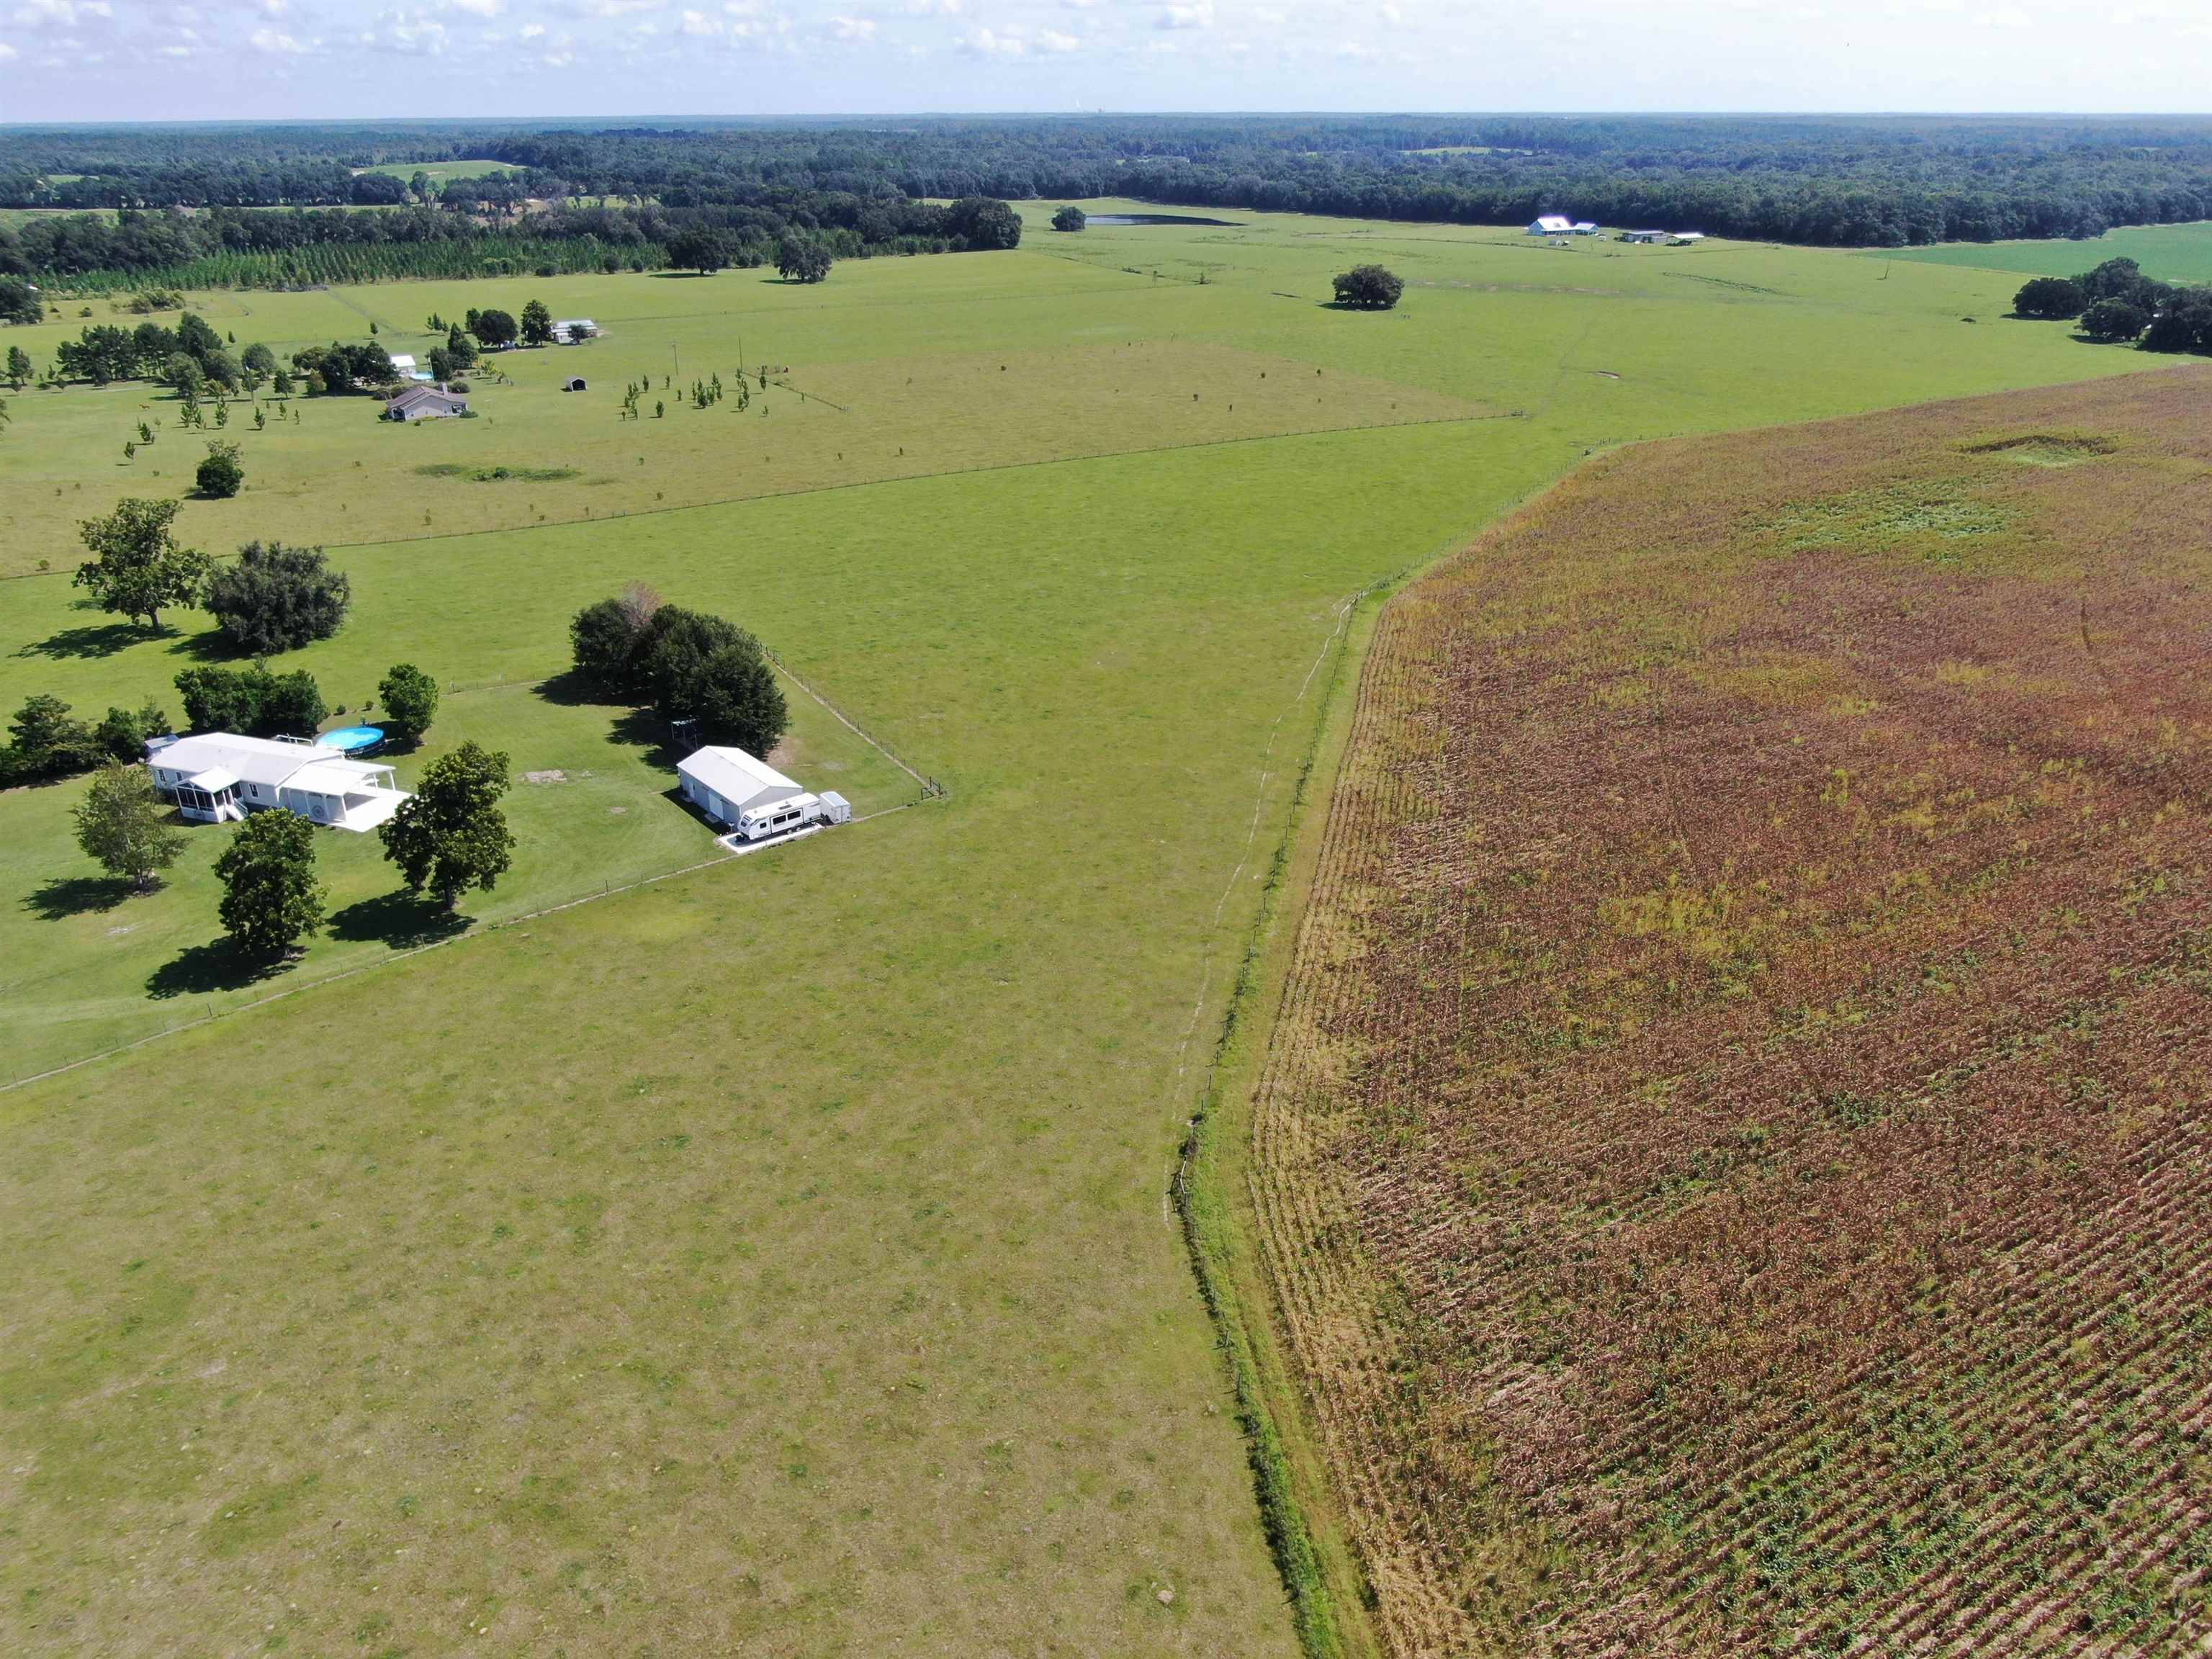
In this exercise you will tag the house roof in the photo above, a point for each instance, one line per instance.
(415, 396)
(265, 761)
(737, 777)
(1555, 221)
(215, 780)
(334, 777)
(402, 360)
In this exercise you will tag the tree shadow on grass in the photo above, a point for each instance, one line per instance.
(643, 729)
(72, 896)
(209, 645)
(204, 969)
(89, 640)
(400, 920)
(573, 690)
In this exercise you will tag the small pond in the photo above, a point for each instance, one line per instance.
(1151, 219)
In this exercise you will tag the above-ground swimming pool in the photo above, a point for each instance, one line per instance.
(354, 739)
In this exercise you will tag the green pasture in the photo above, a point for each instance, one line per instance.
(778, 1257)
(1096, 342)
(2173, 253)
(440, 171)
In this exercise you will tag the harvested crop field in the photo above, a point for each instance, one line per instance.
(1735, 1155)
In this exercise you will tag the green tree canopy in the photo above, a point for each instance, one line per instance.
(698, 247)
(2114, 320)
(122, 826)
(537, 324)
(1070, 218)
(450, 835)
(409, 698)
(46, 740)
(276, 597)
(136, 567)
(984, 223)
(1368, 288)
(271, 898)
(495, 328)
(802, 259)
(221, 475)
(2050, 298)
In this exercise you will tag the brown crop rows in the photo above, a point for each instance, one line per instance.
(1735, 1153)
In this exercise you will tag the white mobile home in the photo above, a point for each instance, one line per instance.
(220, 776)
(574, 330)
(1552, 224)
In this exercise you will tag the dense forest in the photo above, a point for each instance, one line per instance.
(596, 193)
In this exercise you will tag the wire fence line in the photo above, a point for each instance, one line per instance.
(931, 791)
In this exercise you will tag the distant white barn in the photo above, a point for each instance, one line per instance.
(218, 777)
(1645, 237)
(746, 792)
(1552, 224)
(574, 330)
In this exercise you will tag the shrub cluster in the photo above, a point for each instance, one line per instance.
(253, 699)
(46, 740)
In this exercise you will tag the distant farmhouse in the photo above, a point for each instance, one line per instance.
(424, 403)
(1558, 224)
(220, 776)
(1671, 238)
(574, 330)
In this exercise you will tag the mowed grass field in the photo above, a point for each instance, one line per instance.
(1734, 1150)
(779, 1256)
(2173, 253)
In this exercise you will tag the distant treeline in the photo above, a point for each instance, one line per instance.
(228, 246)
(1841, 181)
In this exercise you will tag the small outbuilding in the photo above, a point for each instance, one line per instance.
(424, 403)
(1644, 237)
(752, 797)
(574, 383)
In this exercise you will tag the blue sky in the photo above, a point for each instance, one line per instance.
(79, 60)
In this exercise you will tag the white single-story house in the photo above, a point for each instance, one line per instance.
(574, 330)
(219, 775)
(1552, 224)
(424, 403)
(734, 787)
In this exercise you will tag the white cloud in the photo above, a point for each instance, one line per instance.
(1190, 15)
(476, 8)
(533, 30)
(6, 52)
(1053, 41)
(699, 24)
(858, 29)
(988, 43)
(61, 14)
(275, 44)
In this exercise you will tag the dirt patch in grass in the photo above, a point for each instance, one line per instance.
(500, 474)
(1734, 1149)
(2043, 448)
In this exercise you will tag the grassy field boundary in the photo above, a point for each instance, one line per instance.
(931, 790)
(1331, 1594)
(1322, 1577)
